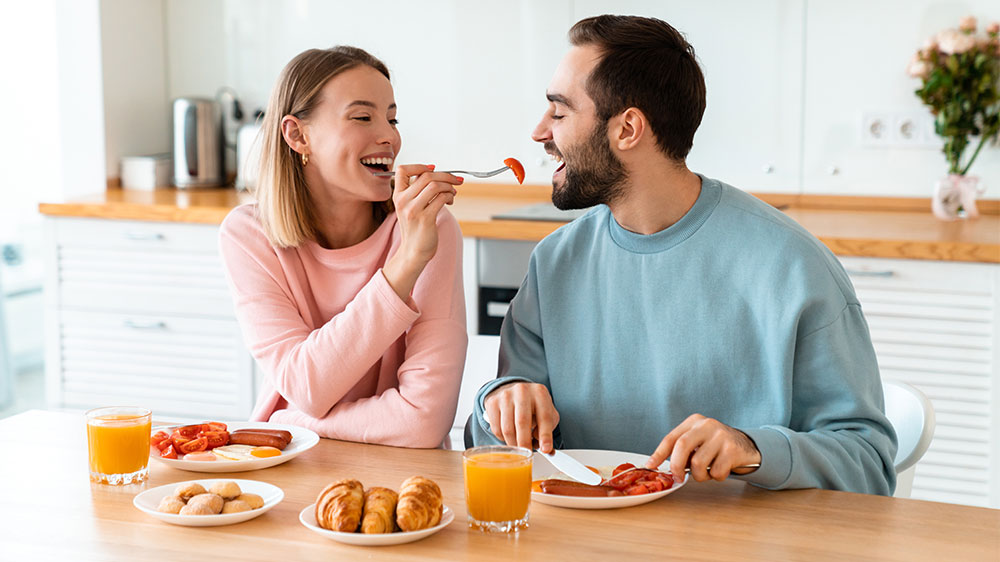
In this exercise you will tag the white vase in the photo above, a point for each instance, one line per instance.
(955, 197)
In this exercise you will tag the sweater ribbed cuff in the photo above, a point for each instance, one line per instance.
(775, 458)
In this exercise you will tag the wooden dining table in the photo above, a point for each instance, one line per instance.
(49, 510)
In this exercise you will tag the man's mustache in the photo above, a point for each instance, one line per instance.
(550, 147)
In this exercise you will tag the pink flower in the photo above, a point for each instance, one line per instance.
(993, 28)
(918, 68)
(953, 42)
(967, 24)
(930, 45)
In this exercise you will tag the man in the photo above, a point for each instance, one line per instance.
(680, 317)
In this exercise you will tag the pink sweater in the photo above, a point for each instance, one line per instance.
(341, 353)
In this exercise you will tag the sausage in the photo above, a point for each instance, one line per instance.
(280, 433)
(257, 440)
(570, 488)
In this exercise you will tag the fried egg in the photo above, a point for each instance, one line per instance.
(244, 452)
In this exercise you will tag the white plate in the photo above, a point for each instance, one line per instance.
(302, 440)
(150, 499)
(308, 518)
(541, 469)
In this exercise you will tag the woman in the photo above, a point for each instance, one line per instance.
(349, 295)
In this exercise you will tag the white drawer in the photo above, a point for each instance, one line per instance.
(173, 365)
(931, 277)
(142, 280)
(137, 235)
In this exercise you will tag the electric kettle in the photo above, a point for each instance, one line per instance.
(199, 143)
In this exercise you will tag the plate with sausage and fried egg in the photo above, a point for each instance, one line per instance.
(624, 482)
(229, 446)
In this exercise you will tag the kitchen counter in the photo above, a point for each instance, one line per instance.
(850, 226)
(52, 512)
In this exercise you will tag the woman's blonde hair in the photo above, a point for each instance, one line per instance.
(284, 206)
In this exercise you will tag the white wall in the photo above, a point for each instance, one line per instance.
(29, 90)
(133, 55)
(81, 97)
(789, 81)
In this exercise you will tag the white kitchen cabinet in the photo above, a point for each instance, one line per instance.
(139, 313)
(934, 325)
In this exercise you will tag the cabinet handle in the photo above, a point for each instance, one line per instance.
(861, 273)
(141, 235)
(145, 325)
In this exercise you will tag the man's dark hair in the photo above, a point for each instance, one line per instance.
(646, 64)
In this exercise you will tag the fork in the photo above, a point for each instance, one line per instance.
(489, 174)
(742, 470)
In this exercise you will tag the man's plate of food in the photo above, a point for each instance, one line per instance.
(625, 483)
(229, 446)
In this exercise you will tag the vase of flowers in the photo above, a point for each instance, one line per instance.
(959, 70)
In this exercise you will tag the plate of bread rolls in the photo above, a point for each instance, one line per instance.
(278, 443)
(347, 512)
(209, 503)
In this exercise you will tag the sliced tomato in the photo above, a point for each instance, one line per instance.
(636, 490)
(624, 480)
(215, 426)
(193, 446)
(188, 431)
(215, 438)
(653, 485)
(622, 468)
(515, 167)
(169, 452)
(158, 438)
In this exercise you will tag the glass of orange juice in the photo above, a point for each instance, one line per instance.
(118, 442)
(497, 487)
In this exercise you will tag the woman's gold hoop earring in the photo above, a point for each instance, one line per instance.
(305, 159)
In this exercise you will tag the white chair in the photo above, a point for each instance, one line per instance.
(912, 415)
(480, 368)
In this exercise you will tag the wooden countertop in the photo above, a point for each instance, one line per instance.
(52, 512)
(850, 226)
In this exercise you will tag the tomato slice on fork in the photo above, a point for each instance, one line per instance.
(515, 167)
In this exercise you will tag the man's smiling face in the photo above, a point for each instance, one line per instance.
(589, 173)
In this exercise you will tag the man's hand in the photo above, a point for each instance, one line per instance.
(704, 443)
(519, 412)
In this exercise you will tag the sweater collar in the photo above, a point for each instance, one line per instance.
(711, 193)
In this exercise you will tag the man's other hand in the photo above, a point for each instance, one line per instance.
(521, 412)
(709, 447)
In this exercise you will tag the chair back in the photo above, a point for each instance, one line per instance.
(912, 416)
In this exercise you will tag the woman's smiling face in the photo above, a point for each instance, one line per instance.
(352, 134)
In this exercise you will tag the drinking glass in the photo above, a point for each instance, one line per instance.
(118, 444)
(497, 487)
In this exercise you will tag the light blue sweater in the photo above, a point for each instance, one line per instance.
(734, 312)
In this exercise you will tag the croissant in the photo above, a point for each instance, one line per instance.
(419, 504)
(338, 507)
(379, 514)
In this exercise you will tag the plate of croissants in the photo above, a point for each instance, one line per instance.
(347, 512)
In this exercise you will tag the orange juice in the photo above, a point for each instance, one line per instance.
(498, 487)
(118, 442)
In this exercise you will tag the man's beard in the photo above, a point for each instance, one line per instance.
(594, 175)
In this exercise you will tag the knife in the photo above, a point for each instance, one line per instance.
(572, 467)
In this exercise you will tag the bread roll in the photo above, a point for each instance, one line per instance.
(379, 515)
(228, 489)
(419, 504)
(338, 507)
(189, 490)
(235, 506)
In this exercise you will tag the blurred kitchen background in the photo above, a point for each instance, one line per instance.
(804, 97)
